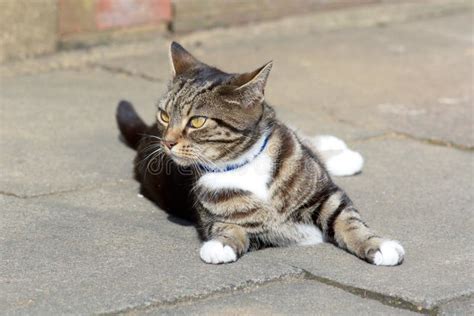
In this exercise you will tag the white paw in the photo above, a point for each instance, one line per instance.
(328, 142)
(390, 253)
(338, 158)
(215, 252)
(346, 163)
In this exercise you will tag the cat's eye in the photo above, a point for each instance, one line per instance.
(164, 116)
(197, 121)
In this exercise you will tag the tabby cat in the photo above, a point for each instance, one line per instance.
(218, 155)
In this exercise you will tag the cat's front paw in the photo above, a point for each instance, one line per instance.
(215, 252)
(389, 253)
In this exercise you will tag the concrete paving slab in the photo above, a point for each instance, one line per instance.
(58, 130)
(107, 250)
(421, 195)
(289, 298)
(413, 78)
(458, 307)
(113, 250)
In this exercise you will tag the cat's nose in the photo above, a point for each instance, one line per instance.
(169, 143)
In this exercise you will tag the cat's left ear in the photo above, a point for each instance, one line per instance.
(251, 86)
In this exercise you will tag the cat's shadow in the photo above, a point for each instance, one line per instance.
(170, 217)
(179, 221)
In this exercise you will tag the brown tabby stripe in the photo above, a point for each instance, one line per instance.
(221, 196)
(231, 150)
(311, 153)
(286, 150)
(295, 173)
(251, 224)
(296, 216)
(352, 227)
(187, 97)
(218, 140)
(257, 123)
(240, 215)
(354, 219)
(245, 143)
(289, 184)
(178, 95)
(186, 102)
(209, 228)
(206, 212)
(332, 219)
(228, 126)
(307, 196)
(321, 199)
(207, 87)
(176, 89)
(217, 229)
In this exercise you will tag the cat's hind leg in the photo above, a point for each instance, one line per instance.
(342, 225)
(339, 159)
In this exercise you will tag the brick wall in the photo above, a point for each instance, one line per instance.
(86, 16)
(89, 22)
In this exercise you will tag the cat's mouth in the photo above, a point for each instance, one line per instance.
(179, 160)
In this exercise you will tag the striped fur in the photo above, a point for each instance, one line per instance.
(301, 193)
(280, 196)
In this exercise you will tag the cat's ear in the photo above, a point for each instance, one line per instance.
(181, 60)
(251, 86)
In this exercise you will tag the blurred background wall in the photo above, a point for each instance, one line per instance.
(30, 28)
(27, 28)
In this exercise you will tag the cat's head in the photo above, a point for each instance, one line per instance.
(208, 116)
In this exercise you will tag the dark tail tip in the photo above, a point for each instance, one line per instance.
(131, 126)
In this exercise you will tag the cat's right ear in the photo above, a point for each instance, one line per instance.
(249, 88)
(181, 60)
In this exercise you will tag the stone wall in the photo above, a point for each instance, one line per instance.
(27, 28)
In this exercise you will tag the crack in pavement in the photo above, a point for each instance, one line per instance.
(424, 140)
(384, 299)
(126, 72)
(66, 191)
(247, 285)
(400, 135)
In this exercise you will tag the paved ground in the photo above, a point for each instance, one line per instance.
(76, 238)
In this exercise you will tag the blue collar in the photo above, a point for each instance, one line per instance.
(236, 165)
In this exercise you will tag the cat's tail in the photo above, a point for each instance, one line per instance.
(339, 159)
(131, 126)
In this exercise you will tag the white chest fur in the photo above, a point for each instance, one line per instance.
(253, 177)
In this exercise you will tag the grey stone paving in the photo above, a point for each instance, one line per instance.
(460, 307)
(59, 130)
(108, 250)
(413, 193)
(306, 298)
(76, 238)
